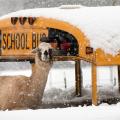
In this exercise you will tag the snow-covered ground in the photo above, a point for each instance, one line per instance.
(102, 112)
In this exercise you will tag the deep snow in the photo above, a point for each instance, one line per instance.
(102, 112)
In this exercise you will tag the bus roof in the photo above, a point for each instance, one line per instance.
(101, 25)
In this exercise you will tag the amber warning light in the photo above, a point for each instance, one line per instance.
(14, 20)
(22, 20)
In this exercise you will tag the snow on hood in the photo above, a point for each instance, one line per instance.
(101, 25)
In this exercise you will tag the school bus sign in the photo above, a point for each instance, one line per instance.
(20, 42)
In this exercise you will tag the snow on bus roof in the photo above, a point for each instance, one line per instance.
(101, 25)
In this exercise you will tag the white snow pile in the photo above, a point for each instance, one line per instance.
(101, 25)
(102, 112)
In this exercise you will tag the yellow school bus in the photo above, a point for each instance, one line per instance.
(19, 35)
(22, 33)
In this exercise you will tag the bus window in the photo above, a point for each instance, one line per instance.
(64, 43)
